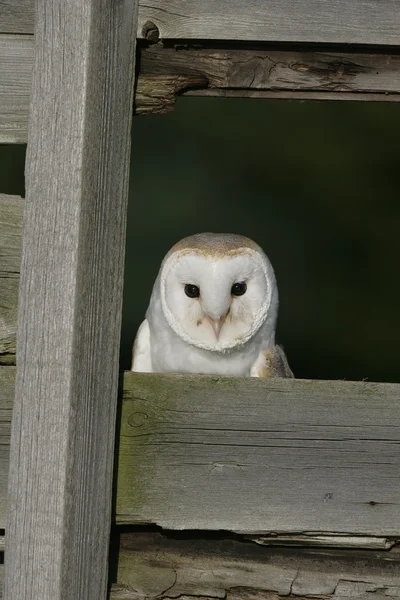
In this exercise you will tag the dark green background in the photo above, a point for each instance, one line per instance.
(315, 184)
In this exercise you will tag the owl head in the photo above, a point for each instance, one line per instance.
(217, 290)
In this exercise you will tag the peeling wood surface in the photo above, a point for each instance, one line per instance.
(250, 455)
(337, 21)
(255, 456)
(166, 72)
(16, 63)
(326, 541)
(155, 566)
(11, 213)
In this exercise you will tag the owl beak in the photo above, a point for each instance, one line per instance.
(217, 324)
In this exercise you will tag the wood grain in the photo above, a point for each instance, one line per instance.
(166, 72)
(11, 213)
(260, 73)
(16, 60)
(7, 385)
(155, 566)
(152, 565)
(328, 448)
(260, 455)
(17, 16)
(338, 21)
(69, 319)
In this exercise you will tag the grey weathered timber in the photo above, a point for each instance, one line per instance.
(11, 213)
(167, 72)
(62, 441)
(335, 21)
(155, 566)
(7, 385)
(16, 60)
(172, 398)
(254, 455)
(17, 16)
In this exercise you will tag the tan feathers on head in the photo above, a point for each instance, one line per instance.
(214, 244)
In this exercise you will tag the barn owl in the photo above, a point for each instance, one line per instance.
(213, 310)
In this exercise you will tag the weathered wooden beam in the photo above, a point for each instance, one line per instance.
(17, 16)
(70, 304)
(16, 60)
(11, 213)
(253, 455)
(337, 21)
(151, 565)
(310, 462)
(166, 72)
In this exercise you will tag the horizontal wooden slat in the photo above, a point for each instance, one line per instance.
(252, 456)
(151, 565)
(16, 63)
(11, 213)
(338, 21)
(335, 21)
(167, 72)
(17, 16)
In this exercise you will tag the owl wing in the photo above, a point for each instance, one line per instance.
(271, 362)
(141, 356)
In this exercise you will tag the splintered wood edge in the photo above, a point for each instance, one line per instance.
(154, 565)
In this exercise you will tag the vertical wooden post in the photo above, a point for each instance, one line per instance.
(70, 300)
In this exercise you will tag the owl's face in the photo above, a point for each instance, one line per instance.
(217, 301)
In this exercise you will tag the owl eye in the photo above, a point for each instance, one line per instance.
(238, 289)
(192, 291)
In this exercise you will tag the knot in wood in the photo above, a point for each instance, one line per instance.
(137, 419)
(150, 32)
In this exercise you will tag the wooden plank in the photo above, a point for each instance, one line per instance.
(69, 319)
(151, 565)
(343, 429)
(329, 449)
(339, 21)
(16, 60)
(17, 16)
(167, 72)
(11, 213)
(253, 455)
